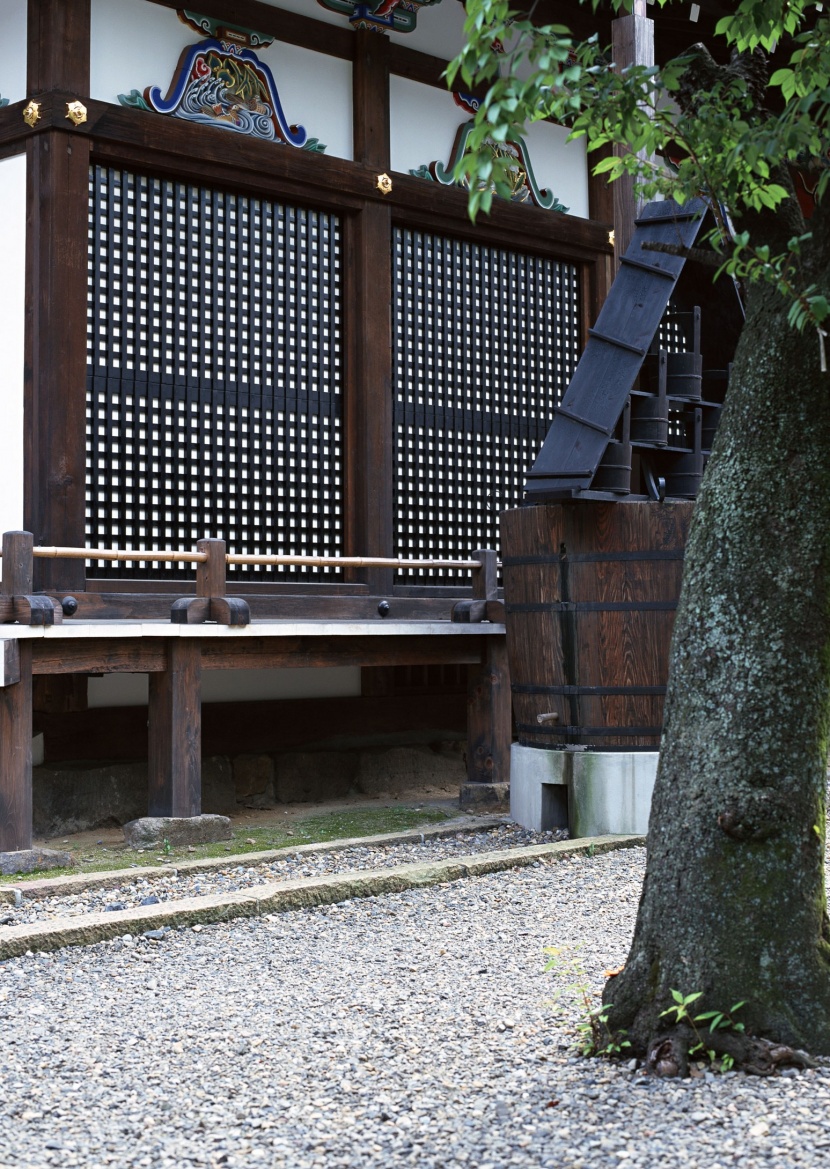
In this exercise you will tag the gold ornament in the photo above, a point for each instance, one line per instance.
(76, 112)
(612, 239)
(31, 114)
(384, 184)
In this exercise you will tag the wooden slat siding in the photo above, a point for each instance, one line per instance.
(240, 728)
(175, 734)
(16, 757)
(615, 556)
(600, 386)
(290, 27)
(632, 43)
(489, 725)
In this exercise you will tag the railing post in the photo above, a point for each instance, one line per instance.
(17, 599)
(485, 605)
(15, 744)
(210, 602)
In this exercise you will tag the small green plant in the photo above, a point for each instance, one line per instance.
(717, 1020)
(166, 847)
(594, 1036)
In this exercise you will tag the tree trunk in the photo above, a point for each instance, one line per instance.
(734, 900)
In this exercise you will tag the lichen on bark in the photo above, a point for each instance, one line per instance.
(734, 902)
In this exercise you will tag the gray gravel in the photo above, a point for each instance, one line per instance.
(176, 884)
(408, 1030)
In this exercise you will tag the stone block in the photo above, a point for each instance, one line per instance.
(150, 831)
(253, 777)
(33, 860)
(304, 777)
(495, 796)
(401, 769)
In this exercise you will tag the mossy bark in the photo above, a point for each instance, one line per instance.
(734, 898)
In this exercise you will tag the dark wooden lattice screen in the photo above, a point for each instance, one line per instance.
(485, 342)
(214, 377)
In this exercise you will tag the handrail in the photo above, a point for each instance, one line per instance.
(157, 554)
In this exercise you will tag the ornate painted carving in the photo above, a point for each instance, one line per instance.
(4, 101)
(380, 15)
(523, 181)
(221, 82)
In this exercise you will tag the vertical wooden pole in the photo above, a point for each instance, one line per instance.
(16, 706)
(369, 520)
(56, 293)
(632, 43)
(489, 729)
(175, 733)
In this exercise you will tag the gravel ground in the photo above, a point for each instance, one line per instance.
(175, 885)
(407, 1030)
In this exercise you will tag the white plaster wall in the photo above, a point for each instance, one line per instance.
(235, 685)
(439, 31)
(13, 253)
(13, 58)
(424, 122)
(136, 44)
(560, 165)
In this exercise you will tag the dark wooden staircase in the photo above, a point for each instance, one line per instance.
(639, 416)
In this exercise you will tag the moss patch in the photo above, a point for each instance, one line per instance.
(335, 825)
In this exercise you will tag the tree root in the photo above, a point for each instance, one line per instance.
(668, 1054)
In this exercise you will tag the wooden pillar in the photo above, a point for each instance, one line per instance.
(632, 43)
(175, 733)
(16, 704)
(489, 729)
(368, 442)
(56, 292)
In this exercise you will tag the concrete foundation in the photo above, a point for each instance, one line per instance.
(593, 793)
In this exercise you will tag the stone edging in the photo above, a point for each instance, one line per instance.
(300, 893)
(112, 878)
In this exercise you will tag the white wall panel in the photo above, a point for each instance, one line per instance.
(559, 165)
(236, 685)
(423, 122)
(136, 44)
(13, 40)
(439, 32)
(13, 252)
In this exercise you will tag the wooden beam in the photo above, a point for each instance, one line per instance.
(369, 440)
(58, 46)
(16, 755)
(489, 716)
(175, 733)
(632, 43)
(370, 96)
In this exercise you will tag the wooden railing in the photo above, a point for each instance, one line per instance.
(19, 602)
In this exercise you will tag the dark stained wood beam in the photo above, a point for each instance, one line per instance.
(16, 751)
(175, 733)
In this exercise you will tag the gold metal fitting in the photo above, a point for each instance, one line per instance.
(31, 114)
(384, 184)
(612, 238)
(76, 112)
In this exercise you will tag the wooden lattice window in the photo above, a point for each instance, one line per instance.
(214, 375)
(485, 342)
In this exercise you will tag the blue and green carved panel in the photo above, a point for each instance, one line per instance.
(380, 15)
(220, 81)
(525, 188)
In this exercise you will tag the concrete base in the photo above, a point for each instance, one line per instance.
(485, 795)
(150, 831)
(33, 860)
(596, 793)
